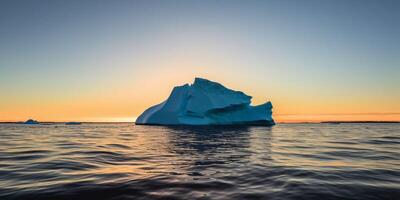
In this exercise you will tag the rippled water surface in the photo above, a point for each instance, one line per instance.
(123, 161)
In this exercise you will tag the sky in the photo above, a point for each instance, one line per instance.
(100, 60)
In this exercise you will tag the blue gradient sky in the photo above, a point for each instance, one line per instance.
(109, 60)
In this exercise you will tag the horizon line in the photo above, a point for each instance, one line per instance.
(133, 119)
(378, 113)
(277, 121)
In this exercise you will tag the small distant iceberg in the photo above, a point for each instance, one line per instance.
(73, 123)
(207, 103)
(31, 121)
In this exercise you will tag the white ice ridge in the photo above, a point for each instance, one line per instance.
(207, 103)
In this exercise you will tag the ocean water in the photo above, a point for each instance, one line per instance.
(123, 161)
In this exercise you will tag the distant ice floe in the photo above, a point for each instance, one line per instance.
(31, 121)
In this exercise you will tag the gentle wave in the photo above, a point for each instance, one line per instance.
(123, 161)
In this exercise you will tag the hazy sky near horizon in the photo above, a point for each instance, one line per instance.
(109, 60)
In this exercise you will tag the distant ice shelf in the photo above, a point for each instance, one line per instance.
(207, 103)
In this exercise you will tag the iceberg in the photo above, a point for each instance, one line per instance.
(207, 103)
(31, 121)
(73, 123)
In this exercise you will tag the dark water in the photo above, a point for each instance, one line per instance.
(122, 161)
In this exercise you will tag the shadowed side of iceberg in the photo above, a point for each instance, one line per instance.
(207, 103)
(260, 114)
(168, 111)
